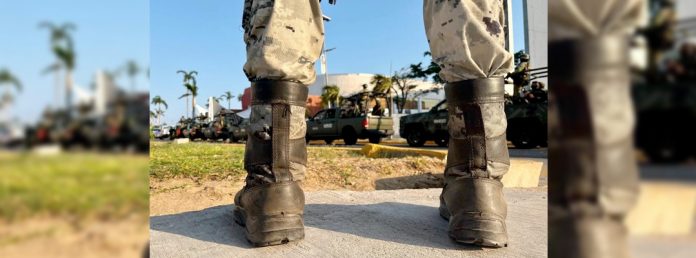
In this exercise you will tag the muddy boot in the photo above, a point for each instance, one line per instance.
(271, 204)
(595, 181)
(472, 199)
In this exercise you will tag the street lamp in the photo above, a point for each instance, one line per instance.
(323, 55)
(324, 65)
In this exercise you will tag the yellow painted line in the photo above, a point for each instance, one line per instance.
(377, 150)
(523, 173)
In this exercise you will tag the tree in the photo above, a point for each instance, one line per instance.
(240, 97)
(402, 84)
(9, 80)
(132, 69)
(381, 83)
(432, 71)
(159, 102)
(189, 79)
(330, 95)
(63, 48)
(227, 96)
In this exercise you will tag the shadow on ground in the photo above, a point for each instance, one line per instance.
(402, 223)
(421, 181)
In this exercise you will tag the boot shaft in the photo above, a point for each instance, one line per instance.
(477, 124)
(276, 148)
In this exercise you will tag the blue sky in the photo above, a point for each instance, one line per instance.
(369, 37)
(108, 34)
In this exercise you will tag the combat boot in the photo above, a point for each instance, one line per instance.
(591, 121)
(472, 198)
(271, 204)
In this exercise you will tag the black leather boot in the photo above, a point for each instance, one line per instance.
(472, 199)
(271, 204)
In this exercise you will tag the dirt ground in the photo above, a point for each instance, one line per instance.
(60, 238)
(349, 172)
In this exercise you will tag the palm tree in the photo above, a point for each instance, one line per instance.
(189, 77)
(227, 96)
(240, 97)
(381, 83)
(132, 69)
(7, 78)
(63, 48)
(159, 102)
(330, 95)
(191, 90)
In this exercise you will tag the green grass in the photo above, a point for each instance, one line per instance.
(196, 160)
(77, 185)
(212, 161)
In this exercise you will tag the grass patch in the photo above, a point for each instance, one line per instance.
(196, 160)
(213, 161)
(72, 184)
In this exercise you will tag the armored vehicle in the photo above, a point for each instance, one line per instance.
(360, 116)
(526, 124)
(665, 120)
(127, 123)
(227, 125)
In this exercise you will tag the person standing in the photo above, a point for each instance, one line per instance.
(284, 39)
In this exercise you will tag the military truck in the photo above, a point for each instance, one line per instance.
(665, 120)
(227, 125)
(126, 123)
(526, 124)
(360, 116)
(187, 128)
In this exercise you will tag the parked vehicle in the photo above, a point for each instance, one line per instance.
(359, 117)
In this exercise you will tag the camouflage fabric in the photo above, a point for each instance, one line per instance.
(580, 19)
(283, 39)
(260, 121)
(494, 126)
(467, 38)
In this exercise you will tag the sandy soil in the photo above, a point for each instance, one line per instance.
(348, 173)
(51, 237)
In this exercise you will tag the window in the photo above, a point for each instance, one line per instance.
(330, 114)
(320, 115)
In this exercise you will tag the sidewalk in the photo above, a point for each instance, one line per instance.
(396, 223)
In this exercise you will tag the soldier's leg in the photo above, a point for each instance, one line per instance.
(594, 173)
(283, 40)
(467, 41)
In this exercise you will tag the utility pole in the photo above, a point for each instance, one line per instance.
(323, 54)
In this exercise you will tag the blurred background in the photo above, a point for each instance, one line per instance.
(663, 56)
(74, 128)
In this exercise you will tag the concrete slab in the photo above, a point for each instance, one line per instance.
(524, 172)
(182, 140)
(398, 223)
(47, 150)
(663, 209)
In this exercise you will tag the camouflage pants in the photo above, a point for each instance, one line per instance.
(284, 39)
(467, 38)
(593, 150)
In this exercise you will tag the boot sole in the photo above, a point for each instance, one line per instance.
(472, 237)
(278, 229)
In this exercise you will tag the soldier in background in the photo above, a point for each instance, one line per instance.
(520, 76)
(660, 34)
(284, 39)
(591, 120)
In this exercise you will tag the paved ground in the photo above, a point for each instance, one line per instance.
(399, 223)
